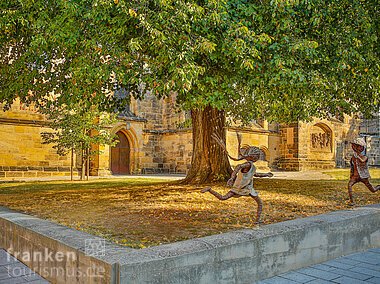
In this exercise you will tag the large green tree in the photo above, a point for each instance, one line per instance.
(282, 60)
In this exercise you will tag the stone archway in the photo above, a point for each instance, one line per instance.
(121, 155)
(264, 153)
(263, 163)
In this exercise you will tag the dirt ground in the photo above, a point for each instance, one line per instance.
(139, 213)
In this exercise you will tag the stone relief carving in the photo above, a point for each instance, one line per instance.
(321, 140)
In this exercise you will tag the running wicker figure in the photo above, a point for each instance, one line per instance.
(359, 168)
(242, 177)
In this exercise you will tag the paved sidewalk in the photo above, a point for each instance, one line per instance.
(92, 178)
(357, 268)
(12, 271)
(304, 175)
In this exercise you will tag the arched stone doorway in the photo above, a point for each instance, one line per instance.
(263, 163)
(120, 155)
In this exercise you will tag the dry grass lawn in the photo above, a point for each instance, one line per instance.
(141, 213)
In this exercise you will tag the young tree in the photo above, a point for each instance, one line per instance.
(76, 129)
(282, 60)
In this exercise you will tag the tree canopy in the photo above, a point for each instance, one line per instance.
(280, 59)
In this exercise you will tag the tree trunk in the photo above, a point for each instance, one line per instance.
(72, 164)
(82, 165)
(87, 163)
(209, 162)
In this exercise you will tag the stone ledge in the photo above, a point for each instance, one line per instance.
(35, 168)
(12, 172)
(242, 256)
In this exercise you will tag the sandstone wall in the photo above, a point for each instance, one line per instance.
(345, 133)
(318, 144)
(288, 147)
(161, 142)
(172, 117)
(166, 151)
(177, 148)
(274, 149)
(370, 129)
(152, 156)
(151, 109)
(350, 129)
(170, 151)
(260, 137)
(373, 151)
(166, 143)
(22, 153)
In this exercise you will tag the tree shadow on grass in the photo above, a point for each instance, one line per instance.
(9, 188)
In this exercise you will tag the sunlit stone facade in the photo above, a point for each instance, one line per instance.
(155, 138)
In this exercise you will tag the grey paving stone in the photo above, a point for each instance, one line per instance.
(348, 280)
(298, 277)
(338, 264)
(352, 274)
(375, 250)
(366, 258)
(4, 275)
(18, 269)
(355, 268)
(323, 267)
(319, 281)
(325, 275)
(6, 259)
(349, 261)
(373, 255)
(367, 271)
(3, 252)
(39, 282)
(369, 266)
(12, 271)
(12, 280)
(34, 277)
(277, 280)
(375, 280)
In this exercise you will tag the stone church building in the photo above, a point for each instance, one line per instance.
(153, 138)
